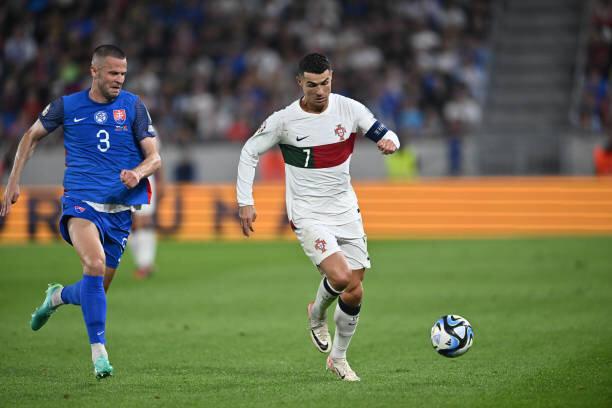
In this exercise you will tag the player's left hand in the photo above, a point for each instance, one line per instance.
(130, 178)
(386, 146)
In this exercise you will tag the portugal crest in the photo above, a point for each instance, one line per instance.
(340, 131)
(320, 245)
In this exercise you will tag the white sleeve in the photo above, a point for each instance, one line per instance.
(370, 126)
(364, 117)
(266, 137)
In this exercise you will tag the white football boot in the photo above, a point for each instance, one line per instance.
(342, 369)
(319, 332)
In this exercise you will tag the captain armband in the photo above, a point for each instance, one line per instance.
(376, 132)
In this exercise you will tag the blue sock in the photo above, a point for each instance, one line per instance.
(93, 305)
(71, 295)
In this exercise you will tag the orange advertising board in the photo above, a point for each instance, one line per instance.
(435, 208)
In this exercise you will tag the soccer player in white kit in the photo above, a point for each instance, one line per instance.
(143, 241)
(316, 135)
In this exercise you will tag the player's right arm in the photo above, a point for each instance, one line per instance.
(24, 151)
(265, 138)
(49, 119)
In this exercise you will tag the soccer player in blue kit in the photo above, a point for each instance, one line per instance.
(110, 152)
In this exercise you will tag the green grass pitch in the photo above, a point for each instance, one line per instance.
(224, 324)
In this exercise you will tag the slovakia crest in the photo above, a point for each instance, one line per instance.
(320, 245)
(119, 116)
(100, 117)
(340, 132)
(79, 209)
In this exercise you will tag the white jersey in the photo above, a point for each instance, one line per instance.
(317, 150)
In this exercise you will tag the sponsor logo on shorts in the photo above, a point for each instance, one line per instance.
(320, 245)
(79, 209)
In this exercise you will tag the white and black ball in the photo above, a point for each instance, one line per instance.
(452, 335)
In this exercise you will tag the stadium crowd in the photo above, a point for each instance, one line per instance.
(213, 70)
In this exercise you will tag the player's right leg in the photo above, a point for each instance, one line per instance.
(57, 295)
(43, 312)
(85, 238)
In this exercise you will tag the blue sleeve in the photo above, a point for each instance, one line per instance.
(52, 116)
(143, 125)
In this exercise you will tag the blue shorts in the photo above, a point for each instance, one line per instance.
(114, 228)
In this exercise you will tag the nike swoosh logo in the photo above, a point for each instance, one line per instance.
(100, 333)
(322, 346)
(78, 120)
(299, 139)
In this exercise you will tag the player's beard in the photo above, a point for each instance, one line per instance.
(107, 92)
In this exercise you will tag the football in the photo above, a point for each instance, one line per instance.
(452, 335)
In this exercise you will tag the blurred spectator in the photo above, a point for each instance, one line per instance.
(461, 114)
(185, 170)
(595, 96)
(602, 158)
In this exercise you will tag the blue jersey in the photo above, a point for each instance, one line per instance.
(101, 139)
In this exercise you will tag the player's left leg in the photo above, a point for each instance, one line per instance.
(85, 238)
(353, 242)
(346, 317)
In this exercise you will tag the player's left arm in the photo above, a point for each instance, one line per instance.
(150, 164)
(145, 132)
(386, 139)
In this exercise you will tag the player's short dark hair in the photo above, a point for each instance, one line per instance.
(314, 63)
(108, 50)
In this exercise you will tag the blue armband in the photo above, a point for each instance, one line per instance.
(376, 132)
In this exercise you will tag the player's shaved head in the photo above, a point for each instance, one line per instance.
(314, 63)
(108, 69)
(106, 50)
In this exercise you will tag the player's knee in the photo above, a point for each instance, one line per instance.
(340, 278)
(354, 294)
(94, 265)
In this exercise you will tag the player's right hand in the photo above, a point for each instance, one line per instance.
(129, 178)
(11, 195)
(247, 215)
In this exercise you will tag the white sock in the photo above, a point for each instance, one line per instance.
(135, 245)
(97, 350)
(149, 247)
(56, 298)
(144, 245)
(346, 324)
(326, 294)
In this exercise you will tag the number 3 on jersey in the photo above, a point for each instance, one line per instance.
(103, 141)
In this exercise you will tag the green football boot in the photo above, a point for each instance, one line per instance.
(44, 311)
(102, 368)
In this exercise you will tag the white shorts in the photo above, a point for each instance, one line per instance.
(148, 209)
(320, 241)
